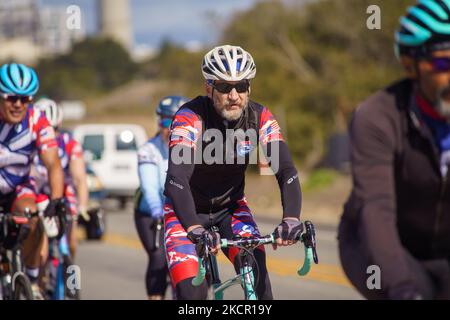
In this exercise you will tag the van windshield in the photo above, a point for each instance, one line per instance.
(95, 143)
(126, 141)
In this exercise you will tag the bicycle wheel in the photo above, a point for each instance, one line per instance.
(22, 288)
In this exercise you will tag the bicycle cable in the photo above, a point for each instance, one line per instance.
(251, 254)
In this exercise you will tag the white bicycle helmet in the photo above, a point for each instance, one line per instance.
(229, 63)
(51, 110)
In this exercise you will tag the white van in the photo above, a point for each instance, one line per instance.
(112, 149)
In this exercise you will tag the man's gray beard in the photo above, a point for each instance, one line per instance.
(230, 115)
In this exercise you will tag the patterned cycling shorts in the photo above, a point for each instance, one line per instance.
(71, 199)
(181, 256)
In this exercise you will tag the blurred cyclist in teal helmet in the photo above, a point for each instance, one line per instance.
(397, 216)
(153, 162)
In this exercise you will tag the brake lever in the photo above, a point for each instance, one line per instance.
(309, 238)
(202, 248)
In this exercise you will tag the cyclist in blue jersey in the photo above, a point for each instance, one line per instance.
(153, 162)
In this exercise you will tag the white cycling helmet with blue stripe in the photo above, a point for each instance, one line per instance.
(229, 63)
(18, 79)
(424, 29)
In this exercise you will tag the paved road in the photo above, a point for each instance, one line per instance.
(114, 268)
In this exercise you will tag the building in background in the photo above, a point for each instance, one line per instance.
(54, 37)
(114, 21)
(30, 30)
(19, 20)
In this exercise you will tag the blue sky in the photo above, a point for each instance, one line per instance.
(182, 21)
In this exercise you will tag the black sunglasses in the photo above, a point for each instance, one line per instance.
(14, 99)
(225, 87)
(441, 64)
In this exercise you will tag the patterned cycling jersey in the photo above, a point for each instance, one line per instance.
(68, 149)
(19, 143)
(218, 153)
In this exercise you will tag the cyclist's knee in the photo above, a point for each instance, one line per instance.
(157, 260)
(20, 205)
(156, 281)
(186, 291)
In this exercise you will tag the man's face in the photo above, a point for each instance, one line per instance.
(229, 105)
(434, 80)
(13, 109)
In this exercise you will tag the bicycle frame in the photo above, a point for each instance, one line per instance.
(218, 287)
(11, 258)
(58, 250)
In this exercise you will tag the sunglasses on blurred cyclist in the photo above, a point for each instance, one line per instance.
(441, 64)
(14, 98)
(224, 87)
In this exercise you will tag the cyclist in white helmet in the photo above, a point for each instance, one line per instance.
(71, 155)
(204, 193)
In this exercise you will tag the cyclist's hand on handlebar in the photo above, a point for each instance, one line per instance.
(197, 233)
(288, 232)
(55, 206)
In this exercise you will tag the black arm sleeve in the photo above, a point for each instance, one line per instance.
(281, 163)
(177, 186)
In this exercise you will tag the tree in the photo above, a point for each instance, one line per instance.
(317, 61)
(95, 65)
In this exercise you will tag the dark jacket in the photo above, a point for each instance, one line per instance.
(399, 196)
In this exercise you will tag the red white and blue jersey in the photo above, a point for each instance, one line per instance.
(68, 149)
(19, 143)
(213, 177)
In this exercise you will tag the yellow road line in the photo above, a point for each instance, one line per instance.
(283, 267)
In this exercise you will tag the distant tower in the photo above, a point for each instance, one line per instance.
(115, 21)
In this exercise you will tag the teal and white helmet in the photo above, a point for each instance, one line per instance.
(18, 79)
(425, 28)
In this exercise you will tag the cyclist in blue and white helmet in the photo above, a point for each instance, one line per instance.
(17, 82)
(153, 163)
(167, 108)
